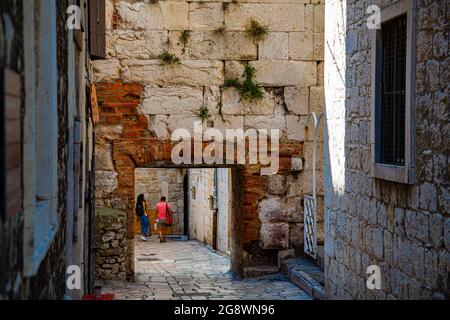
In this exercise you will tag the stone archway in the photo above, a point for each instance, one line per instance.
(248, 189)
(266, 223)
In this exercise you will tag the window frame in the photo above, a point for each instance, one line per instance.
(2, 147)
(402, 174)
(41, 219)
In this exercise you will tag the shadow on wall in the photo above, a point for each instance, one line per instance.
(335, 133)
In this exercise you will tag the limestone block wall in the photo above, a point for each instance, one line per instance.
(224, 206)
(155, 183)
(404, 229)
(111, 244)
(207, 192)
(155, 98)
(201, 190)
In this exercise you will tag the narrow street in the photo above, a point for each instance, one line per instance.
(188, 270)
(303, 142)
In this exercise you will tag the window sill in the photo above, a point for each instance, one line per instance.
(393, 173)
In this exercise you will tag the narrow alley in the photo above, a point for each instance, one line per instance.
(189, 270)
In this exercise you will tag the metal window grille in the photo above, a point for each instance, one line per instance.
(310, 226)
(393, 91)
(310, 201)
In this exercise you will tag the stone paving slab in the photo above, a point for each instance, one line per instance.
(189, 270)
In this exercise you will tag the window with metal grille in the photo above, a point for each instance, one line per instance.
(393, 88)
(393, 85)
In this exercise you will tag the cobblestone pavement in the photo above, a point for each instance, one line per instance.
(188, 270)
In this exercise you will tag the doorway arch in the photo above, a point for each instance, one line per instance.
(129, 154)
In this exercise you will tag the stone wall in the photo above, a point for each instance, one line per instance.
(155, 183)
(201, 211)
(144, 98)
(224, 207)
(404, 229)
(210, 200)
(111, 244)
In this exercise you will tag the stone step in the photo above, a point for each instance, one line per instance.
(306, 276)
(261, 271)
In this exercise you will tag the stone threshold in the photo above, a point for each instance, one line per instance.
(261, 271)
(307, 276)
(169, 237)
(177, 238)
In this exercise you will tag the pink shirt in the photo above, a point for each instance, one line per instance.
(161, 210)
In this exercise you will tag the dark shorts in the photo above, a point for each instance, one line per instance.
(162, 222)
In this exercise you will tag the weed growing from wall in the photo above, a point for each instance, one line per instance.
(168, 58)
(248, 89)
(256, 31)
(220, 31)
(203, 113)
(184, 39)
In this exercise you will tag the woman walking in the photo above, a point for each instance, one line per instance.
(141, 212)
(163, 210)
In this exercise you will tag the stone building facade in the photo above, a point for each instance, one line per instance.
(210, 201)
(402, 228)
(224, 202)
(46, 152)
(144, 99)
(201, 205)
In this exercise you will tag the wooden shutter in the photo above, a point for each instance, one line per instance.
(10, 143)
(97, 28)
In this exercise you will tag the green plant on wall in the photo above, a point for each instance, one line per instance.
(168, 58)
(220, 31)
(248, 89)
(203, 113)
(220, 107)
(226, 5)
(256, 31)
(184, 39)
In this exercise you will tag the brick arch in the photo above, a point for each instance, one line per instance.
(248, 185)
(128, 155)
(137, 148)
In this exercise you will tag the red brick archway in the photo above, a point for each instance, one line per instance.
(137, 148)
